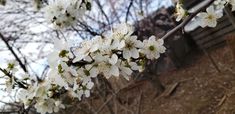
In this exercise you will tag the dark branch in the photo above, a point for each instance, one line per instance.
(128, 9)
(13, 52)
(102, 11)
(187, 20)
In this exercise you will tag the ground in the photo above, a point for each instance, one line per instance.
(201, 89)
(196, 88)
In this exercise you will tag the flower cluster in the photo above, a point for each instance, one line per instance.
(212, 14)
(210, 17)
(180, 12)
(73, 70)
(64, 13)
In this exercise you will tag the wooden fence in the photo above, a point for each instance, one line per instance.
(209, 38)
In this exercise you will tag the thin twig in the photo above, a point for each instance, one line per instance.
(187, 20)
(128, 9)
(13, 52)
(102, 11)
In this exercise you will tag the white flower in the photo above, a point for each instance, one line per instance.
(89, 71)
(9, 84)
(180, 12)
(131, 47)
(44, 106)
(55, 78)
(41, 90)
(76, 91)
(61, 53)
(64, 13)
(109, 67)
(85, 75)
(114, 55)
(25, 96)
(135, 66)
(152, 48)
(58, 105)
(87, 47)
(210, 18)
(219, 4)
(90, 85)
(125, 69)
(12, 66)
(122, 30)
(68, 69)
(87, 93)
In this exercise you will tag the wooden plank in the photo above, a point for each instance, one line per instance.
(230, 15)
(199, 30)
(215, 35)
(213, 43)
(218, 45)
(210, 31)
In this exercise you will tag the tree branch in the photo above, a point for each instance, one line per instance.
(128, 9)
(102, 11)
(187, 20)
(13, 52)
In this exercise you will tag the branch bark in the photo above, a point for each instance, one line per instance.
(128, 9)
(13, 52)
(187, 20)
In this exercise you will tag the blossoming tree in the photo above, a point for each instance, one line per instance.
(73, 69)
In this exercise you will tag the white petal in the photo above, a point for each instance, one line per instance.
(202, 15)
(134, 66)
(212, 23)
(114, 71)
(87, 93)
(152, 38)
(135, 53)
(128, 71)
(78, 58)
(160, 41)
(126, 54)
(210, 10)
(113, 60)
(94, 72)
(90, 85)
(121, 44)
(139, 44)
(126, 77)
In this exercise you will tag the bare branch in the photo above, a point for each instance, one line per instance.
(13, 52)
(128, 9)
(187, 20)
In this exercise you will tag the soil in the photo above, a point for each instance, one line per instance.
(197, 88)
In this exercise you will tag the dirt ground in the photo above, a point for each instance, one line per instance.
(197, 88)
(201, 89)
(194, 89)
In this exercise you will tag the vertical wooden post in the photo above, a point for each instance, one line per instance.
(230, 15)
(211, 59)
